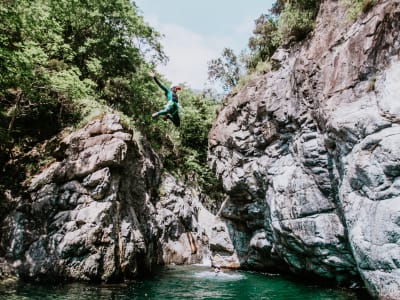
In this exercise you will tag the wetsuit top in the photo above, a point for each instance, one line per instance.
(172, 105)
(168, 93)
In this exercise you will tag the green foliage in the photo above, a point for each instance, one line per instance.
(356, 7)
(367, 5)
(263, 67)
(264, 41)
(69, 84)
(225, 69)
(198, 114)
(289, 21)
(297, 20)
(55, 55)
(278, 7)
(184, 149)
(64, 62)
(3, 135)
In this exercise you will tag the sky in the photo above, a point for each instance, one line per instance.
(196, 31)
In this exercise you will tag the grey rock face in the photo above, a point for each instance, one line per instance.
(183, 237)
(98, 215)
(309, 154)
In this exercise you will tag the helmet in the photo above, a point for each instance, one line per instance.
(176, 87)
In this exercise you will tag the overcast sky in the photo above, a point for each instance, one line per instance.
(196, 31)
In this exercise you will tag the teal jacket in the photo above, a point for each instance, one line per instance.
(168, 93)
(172, 106)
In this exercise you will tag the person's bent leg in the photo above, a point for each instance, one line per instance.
(177, 120)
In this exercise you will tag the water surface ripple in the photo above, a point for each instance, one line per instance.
(184, 282)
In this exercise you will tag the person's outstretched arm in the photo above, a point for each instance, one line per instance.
(158, 82)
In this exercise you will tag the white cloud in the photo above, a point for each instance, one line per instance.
(188, 53)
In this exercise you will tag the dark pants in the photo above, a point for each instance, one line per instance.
(175, 119)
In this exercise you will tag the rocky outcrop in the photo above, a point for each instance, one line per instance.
(102, 212)
(309, 155)
(184, 238)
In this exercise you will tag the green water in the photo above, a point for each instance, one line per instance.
(188, 282)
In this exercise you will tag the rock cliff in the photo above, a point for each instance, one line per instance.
(309, 155)
(102, 212)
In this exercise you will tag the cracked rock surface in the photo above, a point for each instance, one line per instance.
(102, 212)
(309, 154)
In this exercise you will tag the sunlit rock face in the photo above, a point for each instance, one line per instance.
(102, 212)
(309, 154)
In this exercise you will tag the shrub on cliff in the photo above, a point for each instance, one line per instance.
(356, 7)
(289, 21)
(296, 20)
(264, 41)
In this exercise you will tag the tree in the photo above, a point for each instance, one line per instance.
(225, 69)
(288, 21)
(278, 7)
(264, 41)
(59, 59)
(56, 53)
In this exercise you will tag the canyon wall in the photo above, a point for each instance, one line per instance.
(309, 155)
(104, 211)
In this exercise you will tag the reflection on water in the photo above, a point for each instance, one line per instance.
(183, 282)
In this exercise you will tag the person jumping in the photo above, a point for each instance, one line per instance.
(171, 110)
